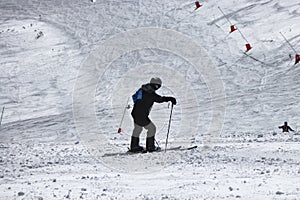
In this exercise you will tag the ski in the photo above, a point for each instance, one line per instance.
(190, 148)
(178, 148)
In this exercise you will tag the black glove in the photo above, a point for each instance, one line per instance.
(172, 99)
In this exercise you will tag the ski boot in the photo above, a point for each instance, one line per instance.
(134, 145)
(150, 147)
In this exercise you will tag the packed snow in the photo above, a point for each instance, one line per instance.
(69, 68)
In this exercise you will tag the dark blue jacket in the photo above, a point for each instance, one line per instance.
(142, 106)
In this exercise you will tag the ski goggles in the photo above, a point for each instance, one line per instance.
(156, 86)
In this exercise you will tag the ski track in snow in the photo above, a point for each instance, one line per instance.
(44, 43)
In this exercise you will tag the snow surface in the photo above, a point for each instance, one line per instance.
(48, 153)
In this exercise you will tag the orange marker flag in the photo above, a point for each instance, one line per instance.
(197, 4)
(297, 58)
(232, 28)
(248, 47)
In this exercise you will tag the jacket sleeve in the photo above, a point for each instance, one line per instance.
(160, 99)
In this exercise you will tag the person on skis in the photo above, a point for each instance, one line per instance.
(285, 127)
(144, 99)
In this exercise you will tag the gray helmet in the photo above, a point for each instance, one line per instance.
(156, 80)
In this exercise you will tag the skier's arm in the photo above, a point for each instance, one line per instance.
(290, 128)
(160, 99)
(172, 99)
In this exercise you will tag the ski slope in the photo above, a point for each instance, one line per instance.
(68, 70)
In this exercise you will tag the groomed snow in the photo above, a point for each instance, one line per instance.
(45, 47)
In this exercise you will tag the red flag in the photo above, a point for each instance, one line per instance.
(248, 47)
(232, 28)
(297, 58)
(197, 4)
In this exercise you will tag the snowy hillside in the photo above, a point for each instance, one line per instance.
(68, 70)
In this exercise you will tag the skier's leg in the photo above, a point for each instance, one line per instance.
(151, 130)
(137, 130)
(135, 140)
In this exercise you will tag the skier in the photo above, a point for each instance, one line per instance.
(285, 127)
(143, 100)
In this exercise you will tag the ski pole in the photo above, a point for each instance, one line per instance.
(120, 129)
(288, 43)
(2, 115)
(156, 143)
(169, 128)
(225, 15)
